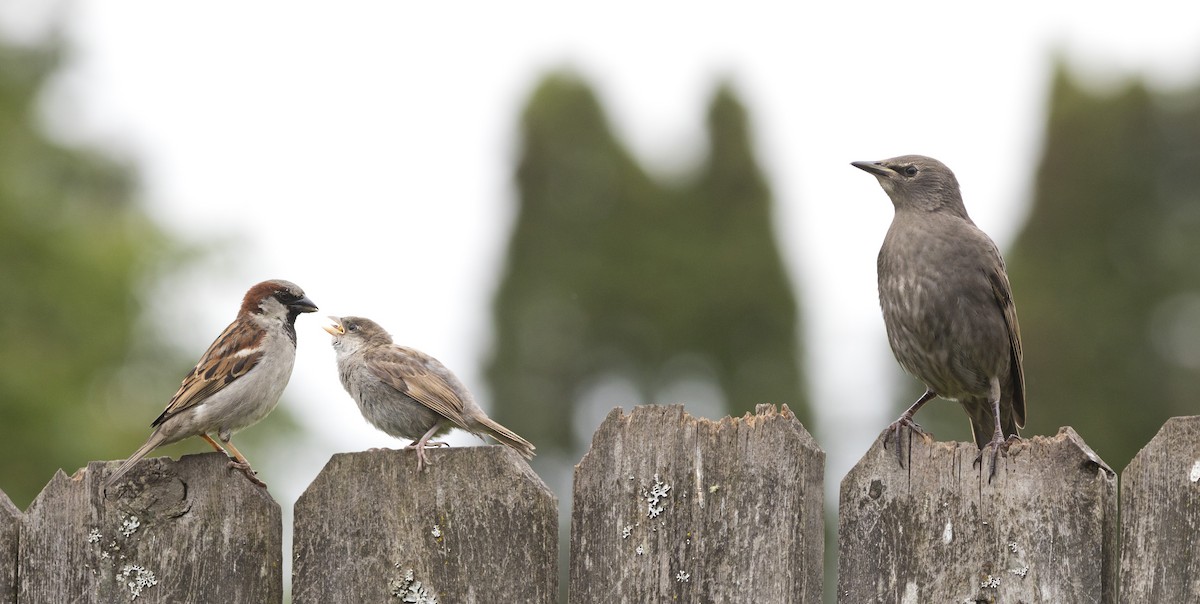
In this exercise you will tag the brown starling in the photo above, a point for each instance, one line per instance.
(947, 303)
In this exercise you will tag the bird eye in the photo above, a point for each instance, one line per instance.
(352, 327)
(910, 170)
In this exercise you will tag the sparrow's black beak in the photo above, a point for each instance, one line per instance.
(874, 167)
(304, 305)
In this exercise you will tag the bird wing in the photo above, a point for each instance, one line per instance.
(413, 378)
(1002, 291)
(233, 354)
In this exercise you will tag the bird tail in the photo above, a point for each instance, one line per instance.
(152, 443)
(506, 437)
(983, 423)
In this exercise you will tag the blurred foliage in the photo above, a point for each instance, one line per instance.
(1105, 272)
(73, 252)
(612, 272)
(83, 368)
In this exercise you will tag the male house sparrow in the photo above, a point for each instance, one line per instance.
(239, 379)
(407, 393)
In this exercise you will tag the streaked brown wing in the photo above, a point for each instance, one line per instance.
(232, 355)
(409, 376)
(1003, 293)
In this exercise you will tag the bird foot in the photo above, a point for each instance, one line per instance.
(904, 421)
(422, 459)
(432, 443)
(245, 468)
(999, 445)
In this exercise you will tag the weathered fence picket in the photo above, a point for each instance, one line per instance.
(672, 508)
(10, 527)
(667, 508)
(169, 532)
(477, 526)
(1160, 517)
(1043, 531)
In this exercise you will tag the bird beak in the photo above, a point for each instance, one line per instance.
(336, 329)
(873, 167)
(304, 305)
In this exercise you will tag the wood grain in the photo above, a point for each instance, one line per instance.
(477, 526)
(171, 531)
(1160, 517)
(1043, 531)
(673, 508)
(10, 529)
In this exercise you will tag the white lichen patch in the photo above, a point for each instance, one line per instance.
(436, 532)
(1195, 475)
(640, 550)
(1020, 572)
(130, 525)
(94, 536)
(1012, 546)
(654, 495)
(990, 582)
(625, 532)
(410, 590)
(948, 533)
(682, 577)
(136, 578)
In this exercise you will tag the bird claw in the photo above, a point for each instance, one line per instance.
(904, 421)
(999, 445)
(245, 468)
(432, 443)
(422, 459)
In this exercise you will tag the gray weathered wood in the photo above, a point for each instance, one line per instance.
(186, 531)
(1160, 517)
(477, 526)
(10, 528)
(672, 508)
(1043, 531)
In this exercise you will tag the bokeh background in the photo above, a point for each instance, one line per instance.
(580, 207)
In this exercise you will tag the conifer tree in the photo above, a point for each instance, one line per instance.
(611, 271)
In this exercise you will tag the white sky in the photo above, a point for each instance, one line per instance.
(365, 150)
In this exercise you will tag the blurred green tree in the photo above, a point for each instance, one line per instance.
(74, 252)
(1105, 271)
(611, 272)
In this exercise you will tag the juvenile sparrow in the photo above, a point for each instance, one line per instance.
(407, 393)
(947, 303)
(239, 379)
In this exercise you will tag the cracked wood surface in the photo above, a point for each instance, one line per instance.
(477, 525)
(1160, 517)
(1043, 531)
(190, 530)
(674, 508)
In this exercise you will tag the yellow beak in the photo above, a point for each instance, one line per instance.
(336, 328)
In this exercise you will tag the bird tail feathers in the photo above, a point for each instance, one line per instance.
(152, 443)
(507, 437)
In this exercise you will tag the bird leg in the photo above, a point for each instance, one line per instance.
(999, 443)
(236, 460)
(425, 442)
(906, 419)
(216, 446)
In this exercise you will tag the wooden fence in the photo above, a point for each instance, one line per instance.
(667, 508)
